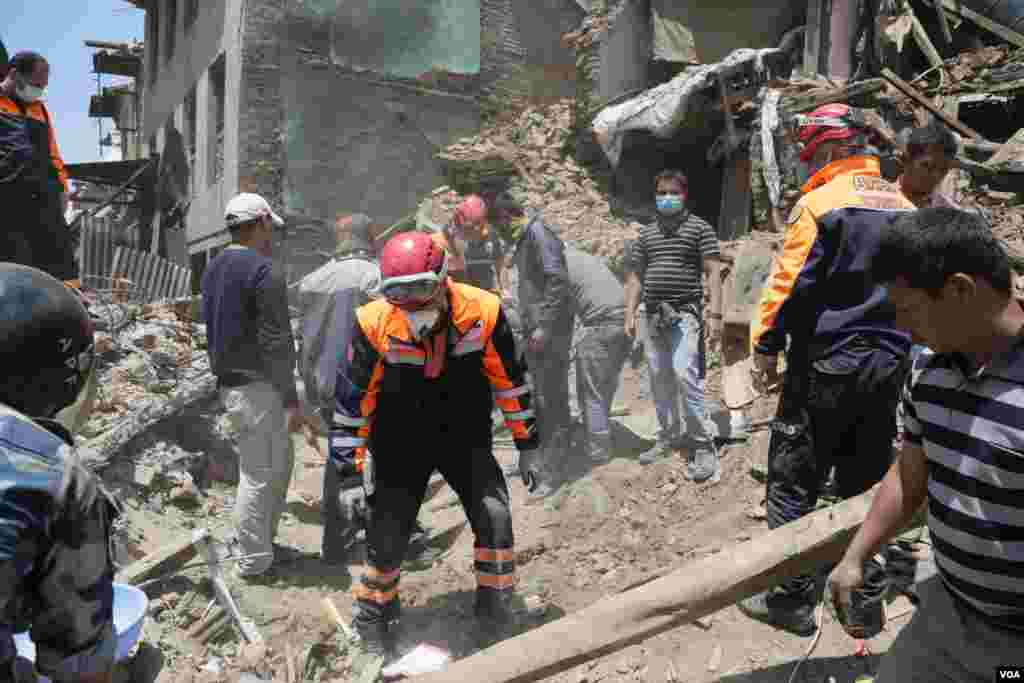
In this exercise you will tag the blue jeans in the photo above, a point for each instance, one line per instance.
(675, 359)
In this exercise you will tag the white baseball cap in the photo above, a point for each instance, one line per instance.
(247, 207)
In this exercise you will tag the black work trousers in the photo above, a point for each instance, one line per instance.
(35, 233)
(400, 483)
(833, 413)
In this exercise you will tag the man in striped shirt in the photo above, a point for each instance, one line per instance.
(668, 261)
(950, 285)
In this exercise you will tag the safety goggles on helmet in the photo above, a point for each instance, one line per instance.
(410, 290)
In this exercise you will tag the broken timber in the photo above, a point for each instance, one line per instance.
(696, 590)
(911, 92)
(796, 104)
(162, 559)
(1010, 36)
(220, 589)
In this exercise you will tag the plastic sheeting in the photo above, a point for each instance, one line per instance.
(662, 109)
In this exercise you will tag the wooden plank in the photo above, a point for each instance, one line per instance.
(912, 92)
(185, 285)
(925, 42)
(812, 38)
(162, 559)
(115, 268)
(737, 195)
(696, 590)
(164, 284)
(159, 271)
(947, 35)
(800, 103)
(220, 589)
(1009, 35)
(151, 269)
(152, 265)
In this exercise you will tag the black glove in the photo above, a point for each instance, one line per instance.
(527, 468)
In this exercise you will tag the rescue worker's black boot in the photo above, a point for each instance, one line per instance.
(790, 611)
(377, 632)
(375, 638)
(494, 613)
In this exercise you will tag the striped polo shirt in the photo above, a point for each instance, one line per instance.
(971, 426)
(670, 262)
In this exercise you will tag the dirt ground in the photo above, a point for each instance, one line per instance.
(599, 534)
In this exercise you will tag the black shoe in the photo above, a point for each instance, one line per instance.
(375, 638)
(494, 614)
(782, 610)
(286, 554)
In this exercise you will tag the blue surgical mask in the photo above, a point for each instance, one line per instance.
(669, 204)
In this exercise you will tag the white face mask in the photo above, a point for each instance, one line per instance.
(421, 322)
(29, 93)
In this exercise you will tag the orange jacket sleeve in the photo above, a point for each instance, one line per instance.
(58, 162)
(511, 385)
(792, 275)
(55, 158)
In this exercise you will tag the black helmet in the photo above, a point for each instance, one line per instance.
(46, 352)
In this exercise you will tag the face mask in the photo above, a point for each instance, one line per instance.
(422, 322)
(669, 204)
(29, 93)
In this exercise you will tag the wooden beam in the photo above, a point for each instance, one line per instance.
(947, 35)
(220, 589)
(925, 43)
(162, 559)
(734, 217)
(911, 92)
(797, 104)
(696, 590)
(812, 38)
(1009, 35)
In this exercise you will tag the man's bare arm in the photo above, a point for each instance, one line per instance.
(634, 288)
(904, 490)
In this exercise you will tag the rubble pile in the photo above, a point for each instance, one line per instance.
(989, 70)
(525, 151)
(152, 363)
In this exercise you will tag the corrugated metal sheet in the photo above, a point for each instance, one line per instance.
(98, 249)
(153, 278)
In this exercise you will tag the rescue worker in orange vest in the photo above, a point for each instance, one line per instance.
(425, 365)
(33, 182)
(476, 249)
(845, 357)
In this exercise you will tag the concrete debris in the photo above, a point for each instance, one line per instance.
(150, 367)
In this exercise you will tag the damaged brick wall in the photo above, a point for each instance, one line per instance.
(261, 150)
(520, 47)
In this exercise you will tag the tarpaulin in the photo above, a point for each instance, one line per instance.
(662, 109)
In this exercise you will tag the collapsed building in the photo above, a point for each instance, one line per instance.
(573, 107)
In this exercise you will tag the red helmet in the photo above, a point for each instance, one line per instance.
(413, 268)
(472, 209)
(827, 123)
